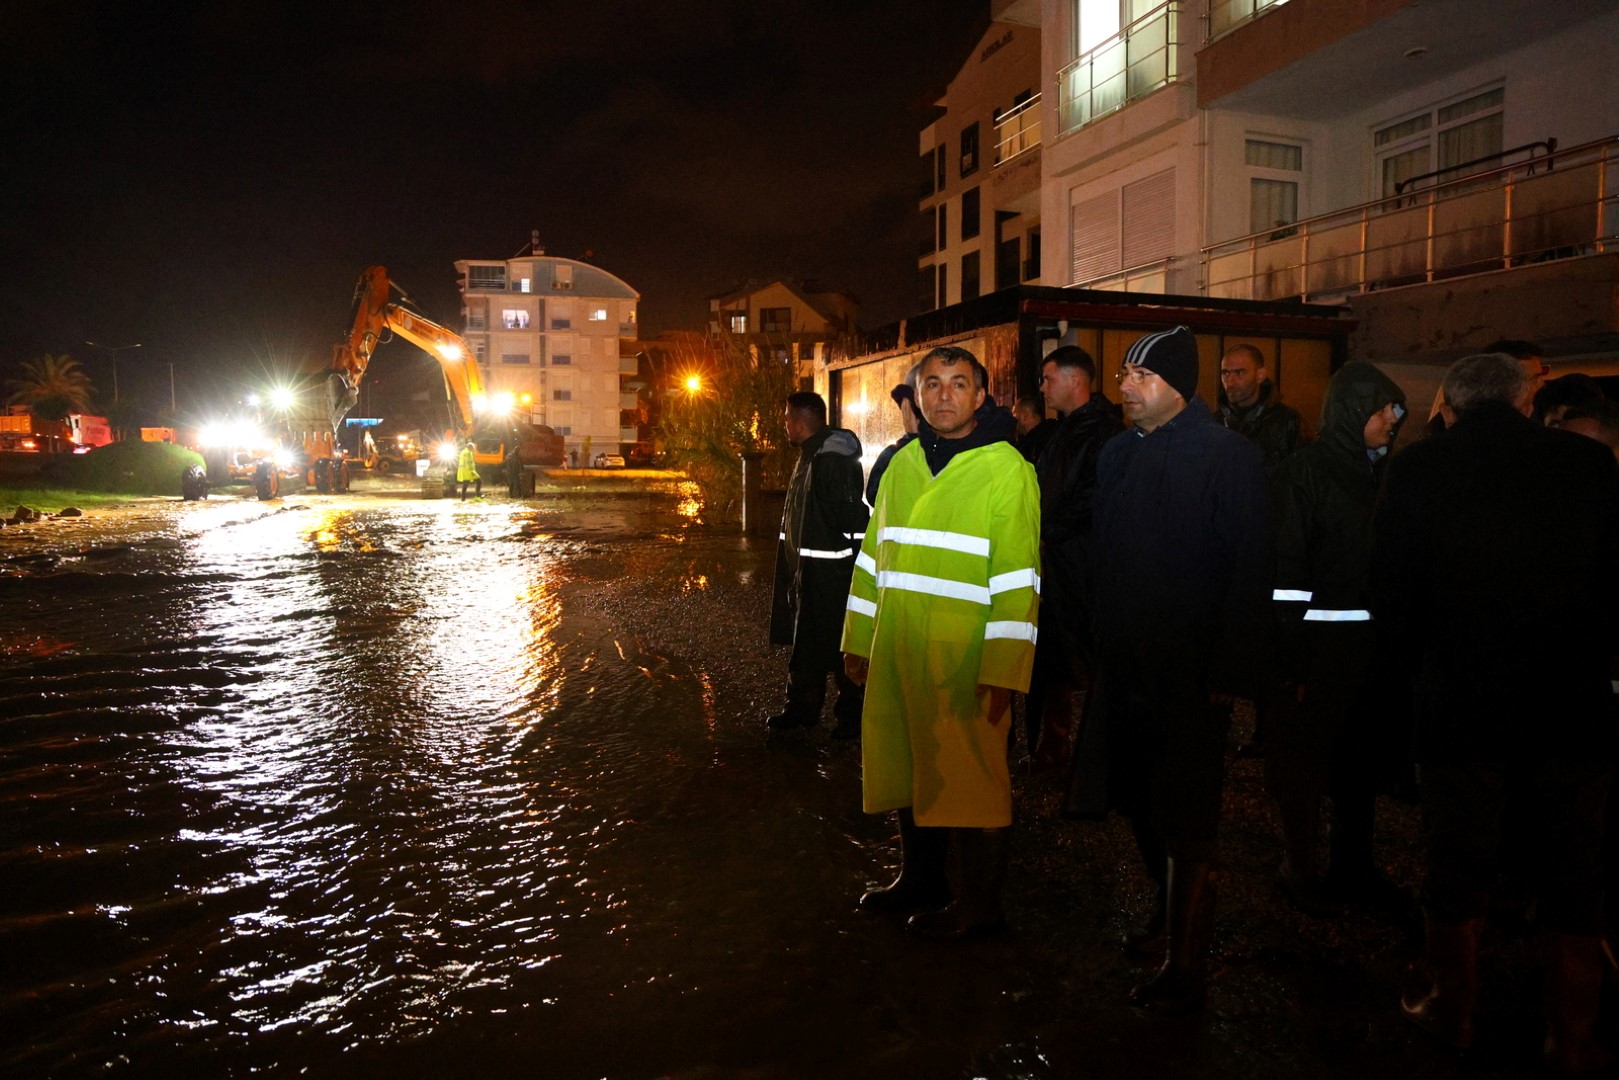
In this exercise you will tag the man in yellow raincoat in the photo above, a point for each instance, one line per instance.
(466, 470)
(940, 628)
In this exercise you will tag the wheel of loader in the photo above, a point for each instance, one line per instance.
(266, 481)
(385, 466)
(194, 483)
(323, 476)
(343, 476)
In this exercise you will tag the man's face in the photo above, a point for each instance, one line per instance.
(1062, 387)
(1379, 430)
(907, 416)
(949, 395)
(797, 430)
(1148, 400)
(1240, 375)
(1027, 419)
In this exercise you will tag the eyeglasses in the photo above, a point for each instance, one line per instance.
(1133, 375)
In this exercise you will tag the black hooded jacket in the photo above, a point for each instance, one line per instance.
(821, 526)
(1322, 500)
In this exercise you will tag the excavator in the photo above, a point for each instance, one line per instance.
(376, 314)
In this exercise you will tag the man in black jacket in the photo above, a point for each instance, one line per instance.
(1325, 733)
(1181, 550)
(821, 528)
(1063, 656)
(1249, 406)
(1477, 537)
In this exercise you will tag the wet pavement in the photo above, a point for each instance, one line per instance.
(371, 785)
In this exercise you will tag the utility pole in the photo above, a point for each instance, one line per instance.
(114, 350)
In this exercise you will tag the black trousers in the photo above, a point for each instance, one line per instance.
(817, 632)
(1165, 753)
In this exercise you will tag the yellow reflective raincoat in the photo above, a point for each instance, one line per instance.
(466, 468)
(943, 604)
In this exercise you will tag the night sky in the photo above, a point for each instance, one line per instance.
(209, 179)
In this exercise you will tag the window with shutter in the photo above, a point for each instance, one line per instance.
(1149, 219)
(1096, 237)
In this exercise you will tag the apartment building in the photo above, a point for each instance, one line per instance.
(553, 329)
(980, 172)
(785, 318)
(1444, 167)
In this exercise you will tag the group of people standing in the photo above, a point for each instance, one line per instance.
(1194, 557)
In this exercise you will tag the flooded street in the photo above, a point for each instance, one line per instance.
(372, 785)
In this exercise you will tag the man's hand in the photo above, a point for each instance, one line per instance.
(856, 667)
(1000, 702)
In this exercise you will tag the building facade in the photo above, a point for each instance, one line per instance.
(980, 172)
(785, 319)
(1445, 168)
(555, 329)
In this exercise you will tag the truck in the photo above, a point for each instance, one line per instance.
(78, 433)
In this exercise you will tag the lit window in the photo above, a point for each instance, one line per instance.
(739, 324)
(512, 319)
(598, 314)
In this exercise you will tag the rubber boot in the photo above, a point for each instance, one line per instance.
(922, 883)
(980, 875)
(1146, 941)
(1180, 986)
(1299, 879)
(1445, 1008)
(1572, 990)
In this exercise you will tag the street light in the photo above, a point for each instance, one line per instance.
(115, 350)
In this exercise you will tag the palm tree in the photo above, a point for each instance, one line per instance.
(52, 387)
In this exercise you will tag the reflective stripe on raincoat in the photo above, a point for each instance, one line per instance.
(466, 469)
(943, 603)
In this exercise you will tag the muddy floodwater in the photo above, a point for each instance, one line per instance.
(377, 786)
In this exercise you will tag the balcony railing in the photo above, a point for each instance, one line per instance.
(1152, 277)
(1226, 15)
(1546, 208)
(477, 323)
(1130, 65)
(1017, 130)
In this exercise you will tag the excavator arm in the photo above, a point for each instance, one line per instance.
(375, 311)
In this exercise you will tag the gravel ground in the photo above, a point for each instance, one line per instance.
(1291, 995)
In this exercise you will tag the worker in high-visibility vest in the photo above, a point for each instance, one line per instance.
(466, 470)
(940, 628)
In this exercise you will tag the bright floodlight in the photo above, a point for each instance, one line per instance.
(282, 397)
(447, 452)
(252, 400)
(694, 383)
(503, 403)
(450, 351)
(480, 404)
